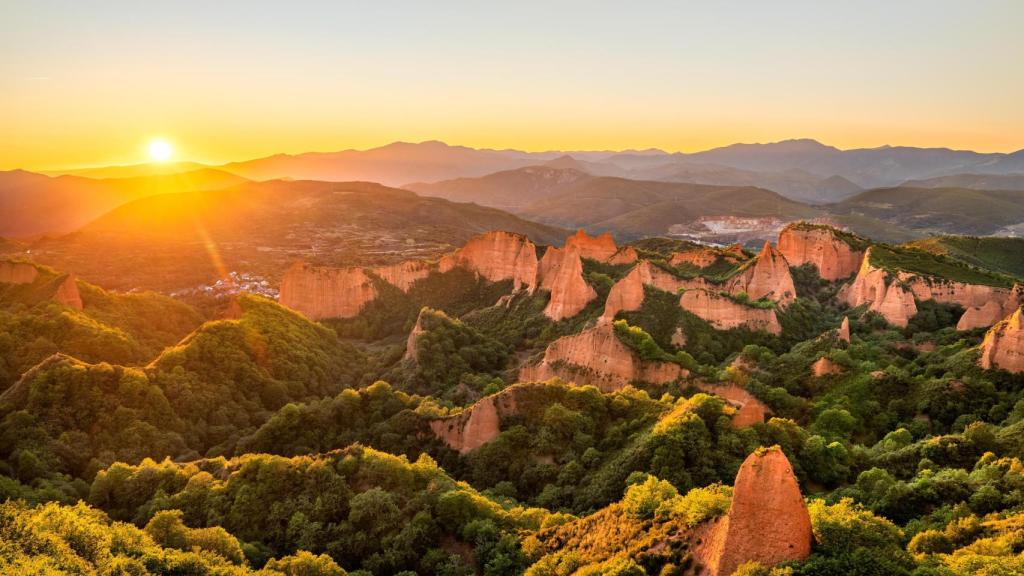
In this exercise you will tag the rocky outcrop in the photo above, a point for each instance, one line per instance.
(570, 293)
(326, 292)
(477, 425)
(705, 256)
(1003, 346)
(824, 367)
(17, 272)
(835, 258)
(767, 521)
(723, 313)
(404, 274)
(601, 248)
(67, 293)
(410, 342)
(895, 296)
(876, 288)
(749, 409)
(625, 255)
(498, 256)
(596, 356)
(844, 330)
(628, 293)
(767, 276)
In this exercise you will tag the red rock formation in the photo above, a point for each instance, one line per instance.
(628, 293)
(819, 245)
(722, 313)
(705, 256)
(596, 356)
(17, 272)
(874, 286)
(844, 330)
(750, 410)
(625, 255)
(477, 425)
(1003, 346)
(767, 521)
(67, 293)
(404, 274)
(498, 256)
(326, 292)
(768, 275)
(570, 293)
(600, 248)
(893, 296)
(410, 342)
(823, 367)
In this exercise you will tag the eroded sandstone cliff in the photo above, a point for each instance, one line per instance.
(767, 276)
(723, 313)
(767, 521)
(67, 292)
(749, 409)
(1003, 346)
(326, 292)
(17, 272)
(834, 257)
(570, 293)
(476, 425)
(597, 356)
(498, 256)
(601, 248)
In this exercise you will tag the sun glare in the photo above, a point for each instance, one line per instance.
(160, 150)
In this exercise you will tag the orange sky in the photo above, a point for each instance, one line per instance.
(83, 86)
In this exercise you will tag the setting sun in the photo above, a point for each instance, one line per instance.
(160, 150)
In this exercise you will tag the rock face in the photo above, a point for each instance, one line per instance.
(823, 367)
(767, 521)
(570, 293)
(844, 330)
(625, 255)
(17, 272)
(767, 276)
(404, 274)
(723, 313)
(894, 296)
(498, 256)
(628, 293)
(706, 256)
(410, 342)
(326, 292)
(1003, 346)
(67, 293)
(874, 286)
(819, 245)
(477, 425)
(601, 248)
(596, 356)
(750, 410)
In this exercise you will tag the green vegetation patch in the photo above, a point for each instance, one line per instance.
(909, 259)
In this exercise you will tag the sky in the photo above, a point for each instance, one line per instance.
(87, 83)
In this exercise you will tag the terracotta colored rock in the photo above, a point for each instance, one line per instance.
(550, 264)
(498, 256)
(844, 330)
(570, 293)
(628, 293)
(705, 256)
(678, 338)
(326, 292)
(724, 314)
(625, 255)
(750, 410)
(1003, 346)
(404, 274)
(768, 275)
(596, 356)
(601, 248)
(894, 296)
(17, 272)
(477, 425)
(823, 367)
(874, 286)
(821, 246)
(767, 521)
(67, 293)
(414, 334)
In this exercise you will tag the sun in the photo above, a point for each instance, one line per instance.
(160, 150)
